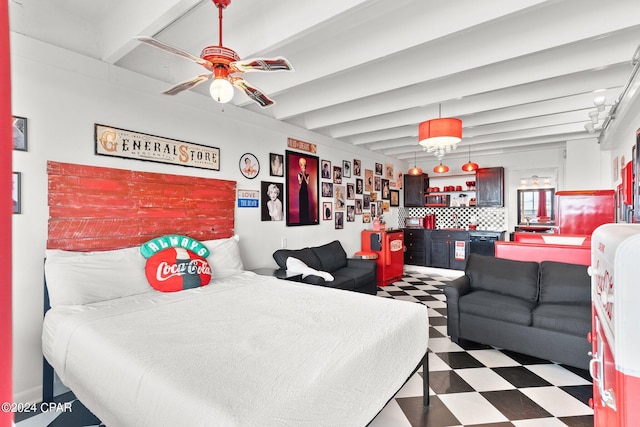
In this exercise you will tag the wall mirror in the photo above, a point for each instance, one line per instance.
(535, 207)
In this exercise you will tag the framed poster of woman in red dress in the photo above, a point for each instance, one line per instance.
(302, 179)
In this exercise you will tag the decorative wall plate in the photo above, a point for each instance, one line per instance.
(249, 165)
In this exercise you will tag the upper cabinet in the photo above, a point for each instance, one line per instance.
(490, 187)
(414, 189)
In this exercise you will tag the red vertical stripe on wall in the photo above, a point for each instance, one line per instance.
(6, 209)
(96, 208)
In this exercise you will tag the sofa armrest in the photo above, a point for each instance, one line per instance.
(362, 263)
(453, 291)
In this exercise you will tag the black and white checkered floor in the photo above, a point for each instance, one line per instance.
(476, 385)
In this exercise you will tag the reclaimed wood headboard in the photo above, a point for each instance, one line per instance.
(98, 208)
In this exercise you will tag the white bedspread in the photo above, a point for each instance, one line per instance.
(247, 350)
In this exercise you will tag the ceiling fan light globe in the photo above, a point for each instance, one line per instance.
(221, 90)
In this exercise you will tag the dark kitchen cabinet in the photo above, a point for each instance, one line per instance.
(449, 249)
(490, 187)
(414, 189)
(418, 244)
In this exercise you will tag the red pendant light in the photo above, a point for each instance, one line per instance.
(441, 135)
(415, 170)
(469, 166)
(441, 168)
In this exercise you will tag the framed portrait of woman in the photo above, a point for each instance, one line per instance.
(249, 165)
(302, 188)
(276, 164)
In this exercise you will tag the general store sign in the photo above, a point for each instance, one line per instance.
(115, 142)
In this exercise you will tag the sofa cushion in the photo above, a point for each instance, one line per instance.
(332, 256)
(305, 255)
(496, 306)
(564, 283)
(573, 319)
(361, 276)
(504, 276)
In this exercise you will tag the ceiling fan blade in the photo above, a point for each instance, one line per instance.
(253, 92)
(261, 64)
(168, 48)
(187, 84)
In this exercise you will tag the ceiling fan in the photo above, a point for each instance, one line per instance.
(222, 62)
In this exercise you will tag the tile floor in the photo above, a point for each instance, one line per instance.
(471, 386)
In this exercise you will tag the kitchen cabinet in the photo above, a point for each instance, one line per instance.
(418, 244)
(449, 249)
(490, 187)
(414, 189)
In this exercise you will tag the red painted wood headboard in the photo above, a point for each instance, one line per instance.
(97, 208)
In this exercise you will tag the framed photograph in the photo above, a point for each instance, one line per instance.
(303, 188)
(366, 218)
(377, 183)
(15, 193)
(351, 213)
(378, 168)
(388, 171)
(19, 133)
(340, 200)
(249, 165)
(358, 206)
(327, 189)
(271, 198)
(339, 220)
(635, 154)
(276, 164)
(395, 198)
(373, 196)
(337, 175)
(373, 210)
(326, 169)
(346, 169)
(386, 195)
(357, 167)
(359, 186)
(351, 191)
(366, 201)
(326, 211)
(368, 180)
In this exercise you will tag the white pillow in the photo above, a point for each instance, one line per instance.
(85, 277)
(224, 257)
(294, 265)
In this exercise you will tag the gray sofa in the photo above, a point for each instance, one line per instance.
(357, 275)
(538, 309)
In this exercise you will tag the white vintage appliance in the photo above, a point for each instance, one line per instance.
(615, 336)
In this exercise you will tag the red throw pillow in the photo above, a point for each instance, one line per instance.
(175, 269)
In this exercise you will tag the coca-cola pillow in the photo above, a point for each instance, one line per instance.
(175, 269)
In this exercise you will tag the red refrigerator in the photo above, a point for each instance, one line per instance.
(615, 341)
(389, 246)
(581, 212)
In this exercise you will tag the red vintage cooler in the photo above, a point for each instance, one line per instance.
(615, 337)
(389, 246)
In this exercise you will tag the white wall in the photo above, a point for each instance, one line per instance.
(63, 95)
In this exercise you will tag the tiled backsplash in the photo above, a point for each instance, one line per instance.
(487, 218)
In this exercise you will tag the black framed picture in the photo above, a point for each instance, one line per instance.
(249, 165)
(378, 168)
(395, 198)
(351, 191)
(326, 211)
(276, 164)
(357, 167)
(339, 220)
(359, 186)
(327, 189)
(19, 133)
(271, 198)
(337, 175)
(386, 195)
(326, 169)
(15, 193)
(346, 168)
(303, 188)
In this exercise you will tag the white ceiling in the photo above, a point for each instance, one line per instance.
(519, 73)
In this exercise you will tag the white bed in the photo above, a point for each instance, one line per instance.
(245, 350)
